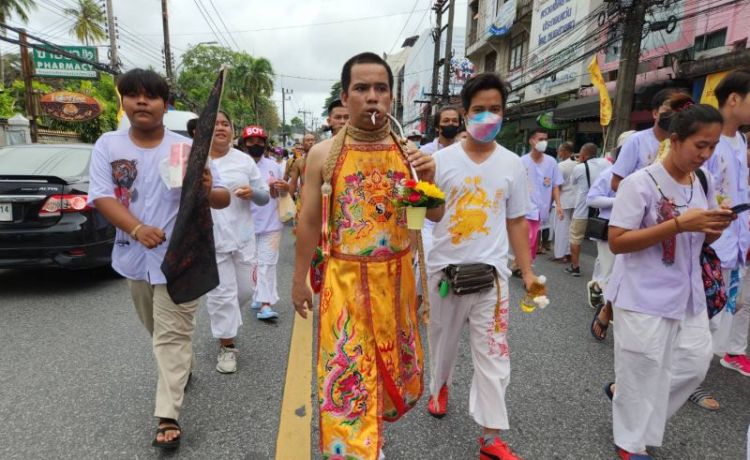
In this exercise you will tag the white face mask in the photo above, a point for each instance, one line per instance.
(541, 146)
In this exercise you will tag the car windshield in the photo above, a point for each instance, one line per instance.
(45, 160)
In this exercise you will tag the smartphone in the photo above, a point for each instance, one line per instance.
(740, 208)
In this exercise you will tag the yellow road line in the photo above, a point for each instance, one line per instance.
(293, 441)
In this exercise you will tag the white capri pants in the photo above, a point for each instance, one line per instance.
(730, 330)
(659, 362)
(605, 262)
(488, 328)
(562, 233)
(264, 273)
(224, 302)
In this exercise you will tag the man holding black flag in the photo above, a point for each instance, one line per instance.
(128, 189)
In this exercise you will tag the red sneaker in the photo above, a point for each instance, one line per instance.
(625, 455)
(496, 450)
(437, 407)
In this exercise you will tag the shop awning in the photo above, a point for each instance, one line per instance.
(585, 108)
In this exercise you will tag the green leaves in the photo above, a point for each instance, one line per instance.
(249, 86)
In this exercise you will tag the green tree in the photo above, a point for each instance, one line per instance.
(18, 7)
(335, 94)
(248, 89)
(89, 22)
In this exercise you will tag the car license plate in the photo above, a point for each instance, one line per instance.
(6, 212)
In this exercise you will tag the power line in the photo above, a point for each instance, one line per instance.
(301, 26)
(224, 24)
(406, 23)
(210, 24)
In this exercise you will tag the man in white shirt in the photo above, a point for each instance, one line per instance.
(585, 173)
(561, 227)
(128, 190)
(485, 210)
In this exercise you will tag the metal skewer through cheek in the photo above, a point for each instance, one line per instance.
(420, 243)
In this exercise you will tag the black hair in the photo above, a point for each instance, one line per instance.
(481, 82)
(687, 122)
(737, 81)
(439, 115)
(567, 146)
(537, 131)
(334, 104)
(661, 97)
(191, 124)
(149, 82)
(363, 58)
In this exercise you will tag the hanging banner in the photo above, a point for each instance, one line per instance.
(69, 106)
(504, 20)
(605, 103)
(712, 81)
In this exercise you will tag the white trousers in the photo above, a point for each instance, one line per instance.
(224, 302)
(264, 274)
(659, 362)
(605, 262)
(562, 233)
(488, 328)
(730, 330)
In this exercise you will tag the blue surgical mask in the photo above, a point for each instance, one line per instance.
(484, 127)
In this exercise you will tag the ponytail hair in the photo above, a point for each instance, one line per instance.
(688, 121)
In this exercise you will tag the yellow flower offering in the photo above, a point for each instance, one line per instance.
(430, 190)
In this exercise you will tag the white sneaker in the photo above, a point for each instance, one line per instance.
(227, 360)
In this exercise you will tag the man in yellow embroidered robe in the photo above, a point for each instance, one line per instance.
(370, 359)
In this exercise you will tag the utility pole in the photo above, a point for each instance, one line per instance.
(448, 51)
(284, 92)
(630, 52)
(113, 59)
(437, 33)
(167, 50)
(27, 80)
(304, 118)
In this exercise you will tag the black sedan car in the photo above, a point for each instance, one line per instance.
(45, 220)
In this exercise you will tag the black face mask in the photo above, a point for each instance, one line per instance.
(665, 119)
(449, 131)
(256, 150)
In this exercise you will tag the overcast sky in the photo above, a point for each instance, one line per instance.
(301, 38)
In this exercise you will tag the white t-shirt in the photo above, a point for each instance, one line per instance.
(479, 199)
(121, 170)
(233, 225)
(567, 191)
(638, 151)
(267, 216)
(641, 281)
(581, 185)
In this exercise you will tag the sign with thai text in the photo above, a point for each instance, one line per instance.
(53, 65)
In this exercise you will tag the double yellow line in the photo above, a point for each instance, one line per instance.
(293, 441)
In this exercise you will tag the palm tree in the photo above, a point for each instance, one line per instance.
(258, 82)
(19, 7)
(89, 22)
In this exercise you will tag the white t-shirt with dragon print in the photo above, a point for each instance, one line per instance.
(479, 198)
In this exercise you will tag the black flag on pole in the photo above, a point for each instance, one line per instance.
(190, 262)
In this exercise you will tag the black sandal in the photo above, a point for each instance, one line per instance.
(600, 323)
(169, 425)
(608, 390)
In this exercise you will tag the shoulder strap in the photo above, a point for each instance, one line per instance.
(703, 180)
(588, 174)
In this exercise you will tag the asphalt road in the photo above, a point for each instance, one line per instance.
(77, 381)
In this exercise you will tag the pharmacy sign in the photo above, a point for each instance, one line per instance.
(53, 65)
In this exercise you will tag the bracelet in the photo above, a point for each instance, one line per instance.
(677, 225)
(134, 232)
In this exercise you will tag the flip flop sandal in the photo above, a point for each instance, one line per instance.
(699, 398)
(170, 425)
(608, 390)
(601, 324)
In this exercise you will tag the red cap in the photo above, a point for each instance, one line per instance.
(254, 131)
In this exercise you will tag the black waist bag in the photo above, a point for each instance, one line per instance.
(470, 278)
